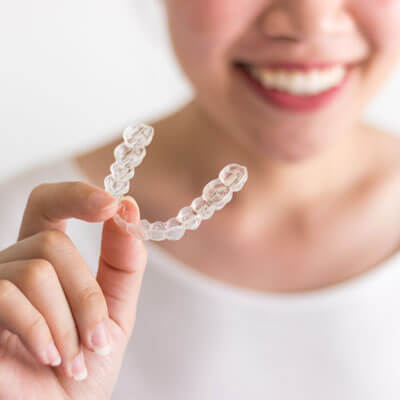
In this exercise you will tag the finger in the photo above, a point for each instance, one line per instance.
(26, 322)
(122, 263)
(37, 280)
(84, 297)
(50, 204)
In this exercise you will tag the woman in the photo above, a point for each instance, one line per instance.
(290, 291)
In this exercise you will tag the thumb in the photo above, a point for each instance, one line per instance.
(122, 262)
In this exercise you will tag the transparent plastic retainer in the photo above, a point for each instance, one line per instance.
(216, 194)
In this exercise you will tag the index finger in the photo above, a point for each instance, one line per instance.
(50, 205)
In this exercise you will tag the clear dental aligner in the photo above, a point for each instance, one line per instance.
(216, 194)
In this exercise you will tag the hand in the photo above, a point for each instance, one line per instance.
(48, 293)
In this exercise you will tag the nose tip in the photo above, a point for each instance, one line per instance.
(305, 19)
(278, 24)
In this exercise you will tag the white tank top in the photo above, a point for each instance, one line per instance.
(197, 338)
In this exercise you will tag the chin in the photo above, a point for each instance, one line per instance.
(283, 139)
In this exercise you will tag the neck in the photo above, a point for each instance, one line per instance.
(201, 148)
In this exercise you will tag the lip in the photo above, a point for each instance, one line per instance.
(300, 66)
(287, 101)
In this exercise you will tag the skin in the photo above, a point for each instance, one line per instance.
(318, 182)
(53, 296)
(314, 177)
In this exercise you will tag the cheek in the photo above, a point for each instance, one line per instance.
(380, 20)
(209, 26)
(205, 16)
(385, 3)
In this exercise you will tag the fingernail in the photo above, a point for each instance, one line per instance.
(99, 340)
(52, 355)
(78, 367)
(131, 200)
(101, 200)
(128, 213)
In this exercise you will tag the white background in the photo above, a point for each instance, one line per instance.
(73, 73)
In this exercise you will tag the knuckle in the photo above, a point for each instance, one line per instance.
(7, 288)
(54, 239)
(36, 193)
(69, 337)
(76, 188)
(38, 189)
(92, 296)
(35, 327)
(140, 259)
(38, 271)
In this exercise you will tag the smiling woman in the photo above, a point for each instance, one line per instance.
(210, 36)
(290, 291)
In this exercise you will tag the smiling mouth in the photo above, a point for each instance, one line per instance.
(296, 87)
(302, 82)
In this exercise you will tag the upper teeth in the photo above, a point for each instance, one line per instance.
(299, 82)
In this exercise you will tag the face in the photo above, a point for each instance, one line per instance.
(286, 78)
